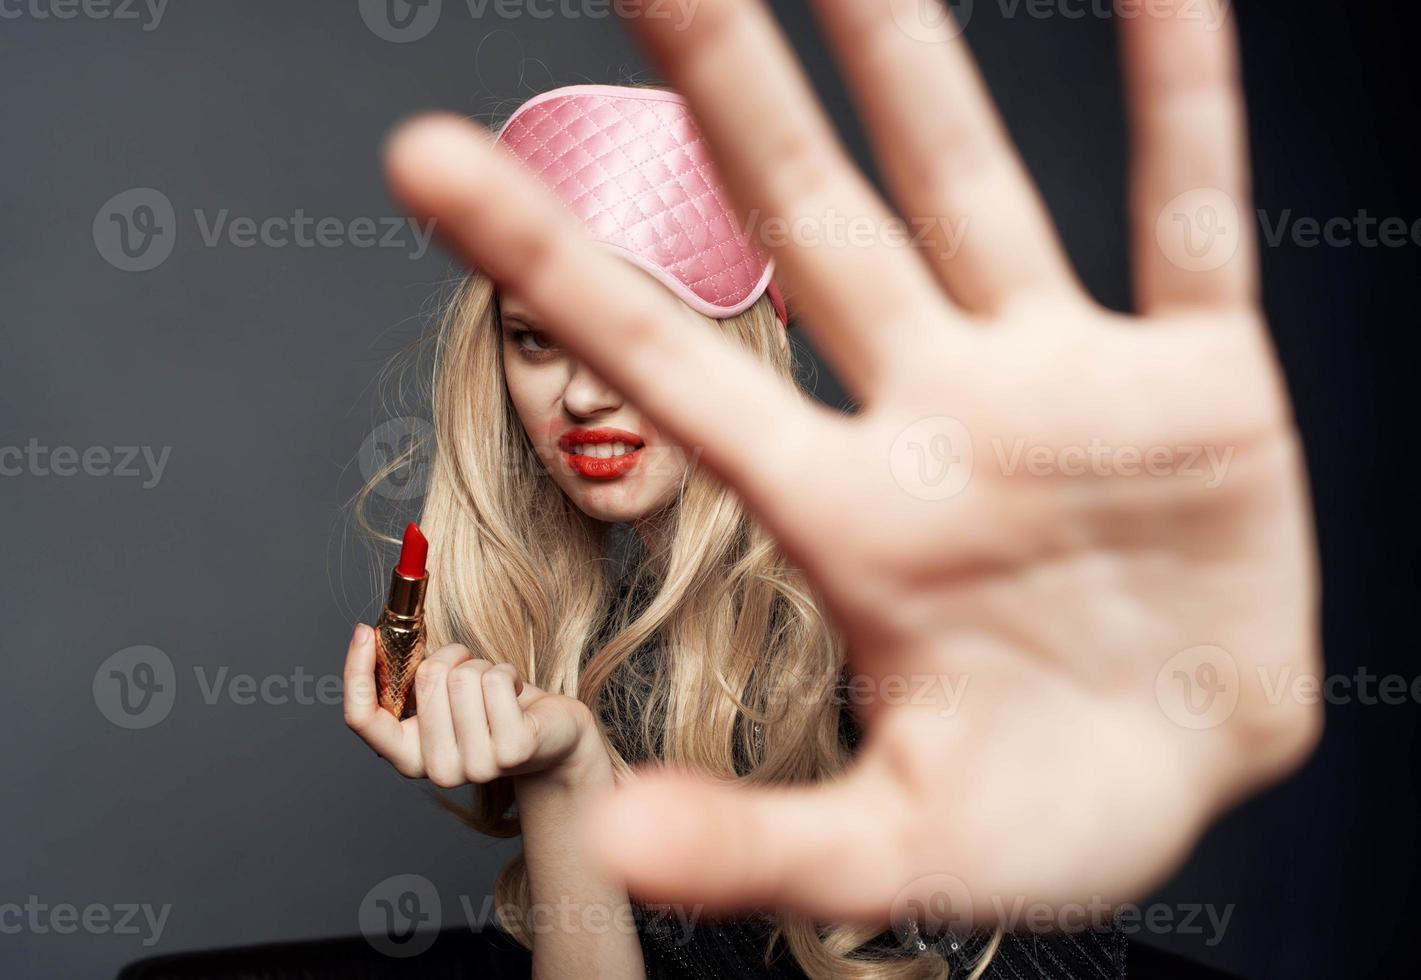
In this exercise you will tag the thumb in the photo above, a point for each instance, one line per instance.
(826, 850)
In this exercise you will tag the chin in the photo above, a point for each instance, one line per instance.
(614, 503)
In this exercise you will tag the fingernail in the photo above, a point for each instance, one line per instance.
(361, 635)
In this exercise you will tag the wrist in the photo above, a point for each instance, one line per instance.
(586, 766)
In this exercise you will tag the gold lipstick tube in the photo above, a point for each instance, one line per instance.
(399, 644)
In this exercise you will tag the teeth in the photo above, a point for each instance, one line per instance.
(603, 450)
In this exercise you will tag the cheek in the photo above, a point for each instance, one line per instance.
(534, 400)
(665, 471)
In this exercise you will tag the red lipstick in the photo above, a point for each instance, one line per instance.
(399, 633)
(600, 467)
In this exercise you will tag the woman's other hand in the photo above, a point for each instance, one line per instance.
(477, 722)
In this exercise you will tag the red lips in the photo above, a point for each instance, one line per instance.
(575, 437)
(600, 467)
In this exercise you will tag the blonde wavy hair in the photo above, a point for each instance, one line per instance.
(746, 673)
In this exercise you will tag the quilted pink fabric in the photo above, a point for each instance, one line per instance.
(632, 166)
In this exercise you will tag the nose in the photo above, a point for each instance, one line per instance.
(588, 396)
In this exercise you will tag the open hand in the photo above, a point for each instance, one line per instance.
(1094, 527)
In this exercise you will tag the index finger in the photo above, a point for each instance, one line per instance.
(382, 731)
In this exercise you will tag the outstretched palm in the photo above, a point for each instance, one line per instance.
(1070, 550)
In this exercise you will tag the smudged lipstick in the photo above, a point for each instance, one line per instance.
(399, 633)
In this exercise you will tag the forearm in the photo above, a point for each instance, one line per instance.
(579, 919)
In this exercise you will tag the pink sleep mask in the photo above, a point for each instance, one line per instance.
(631, 165)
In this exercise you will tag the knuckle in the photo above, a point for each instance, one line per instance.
(501, 675)
(480, 772)
(512, 753)
(429, 673)
(452, 651)
(446, 777)
(798, 171)
(467, 674)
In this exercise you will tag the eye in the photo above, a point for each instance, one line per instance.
(532, 342)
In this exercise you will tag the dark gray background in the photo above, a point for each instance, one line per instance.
(268, 821)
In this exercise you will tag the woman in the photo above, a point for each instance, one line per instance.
(552, 675)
